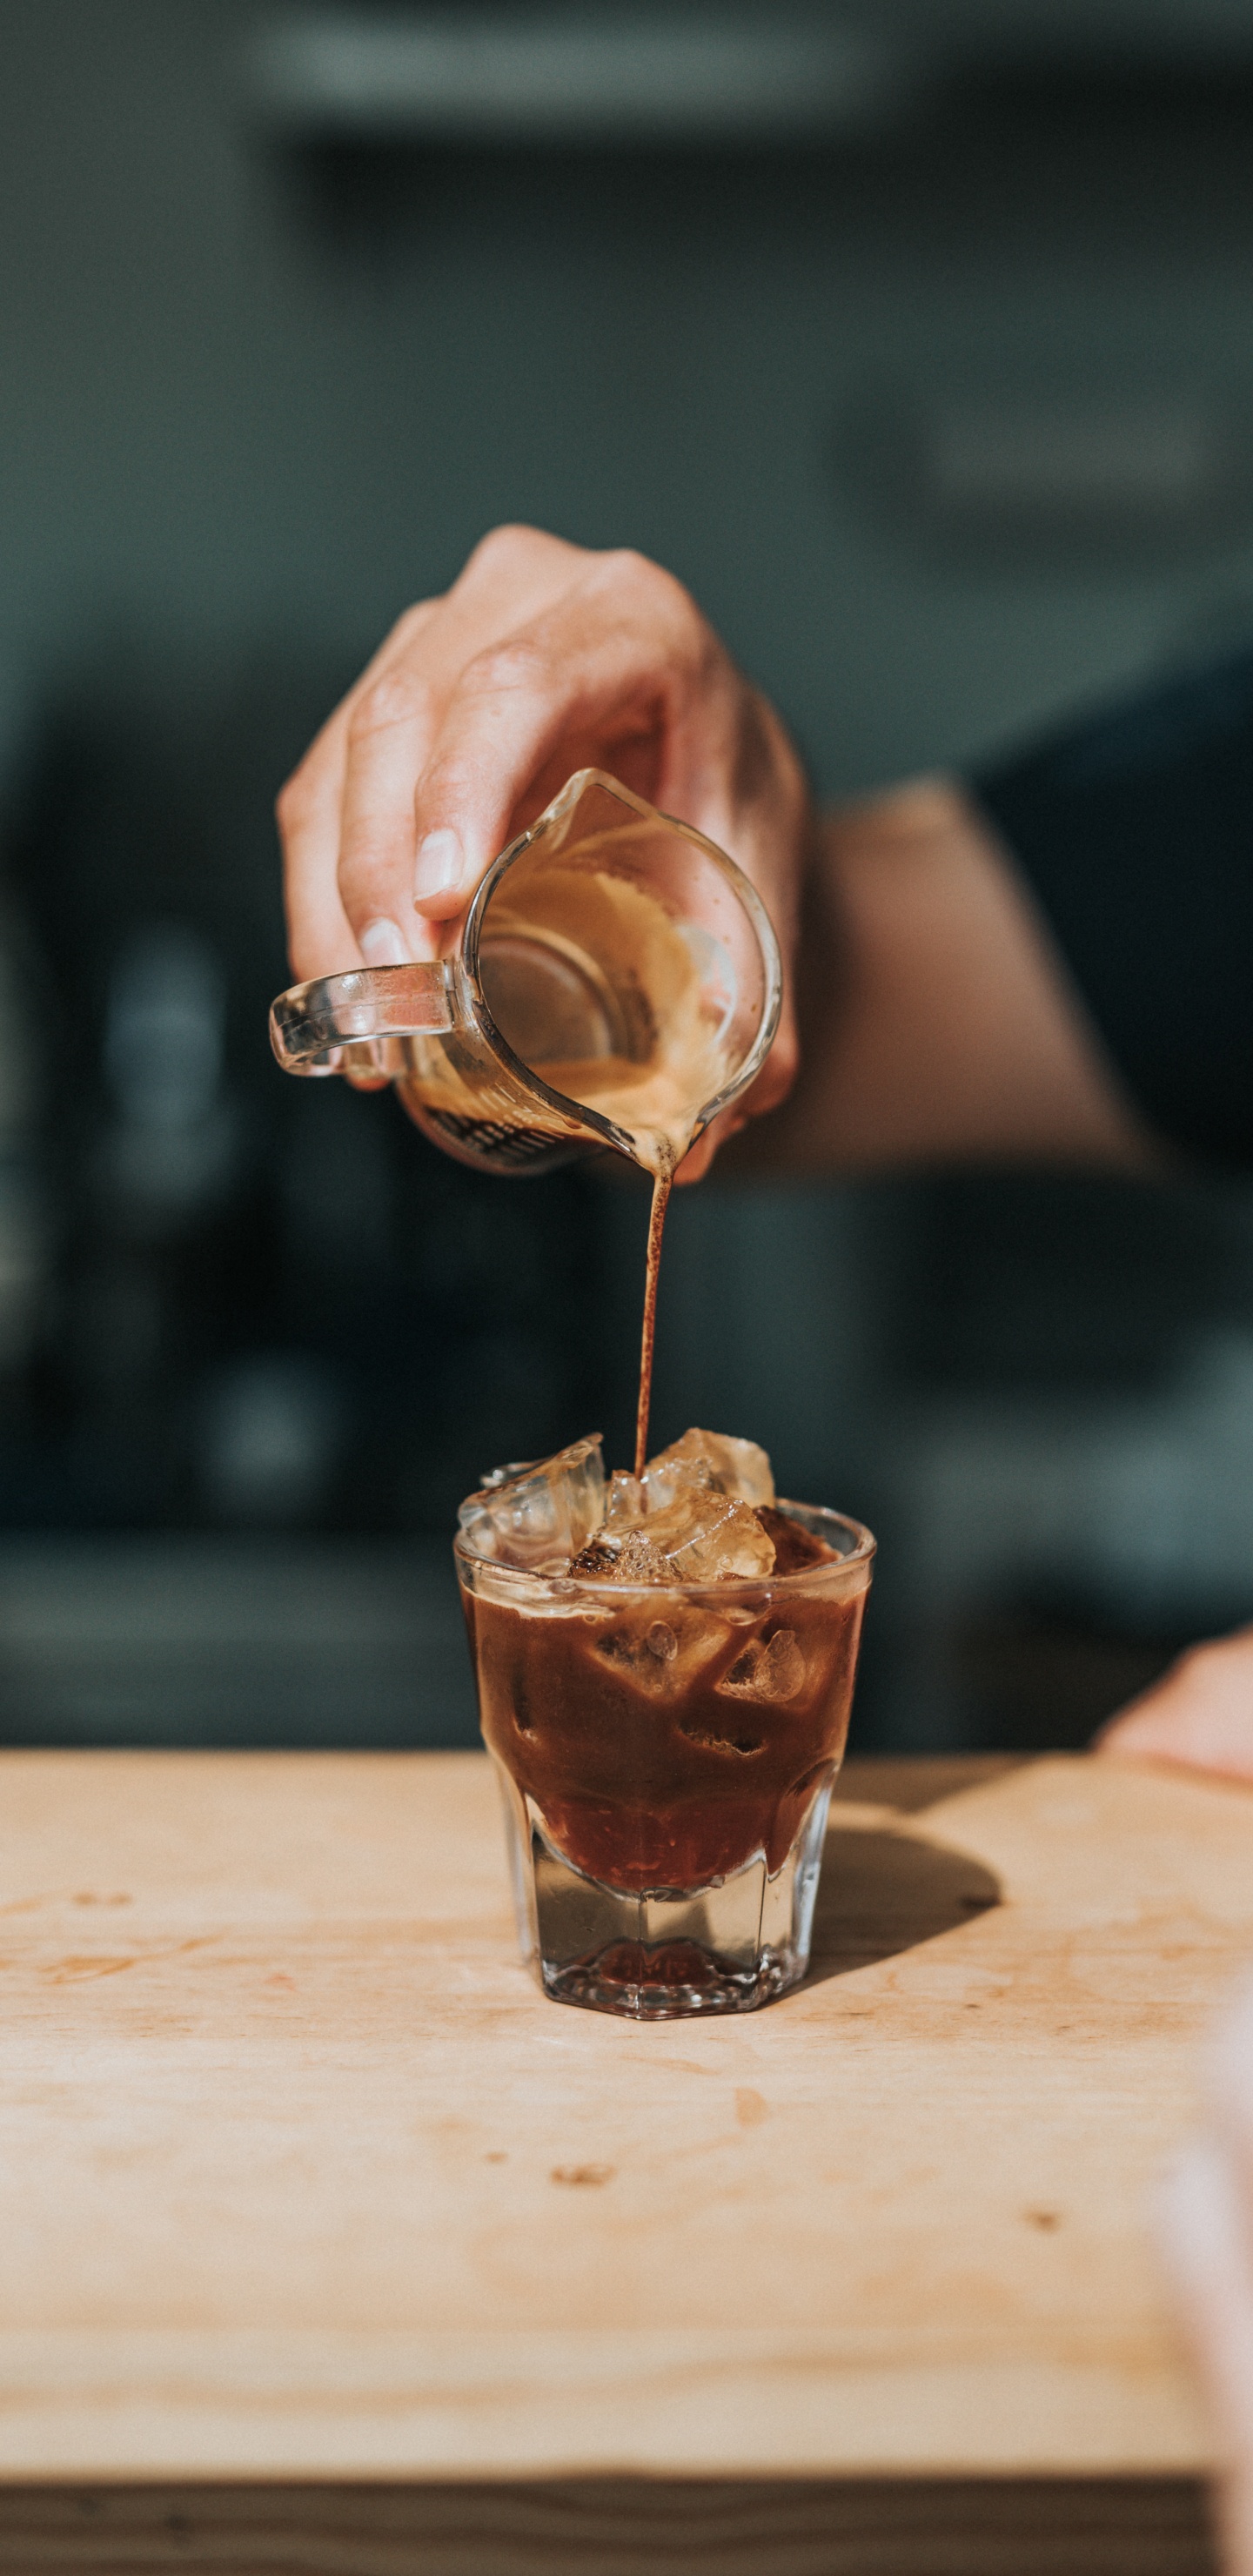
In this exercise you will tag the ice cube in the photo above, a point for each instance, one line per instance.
(640, 1651)
(709, 1462)
(661, 1657)
(538, 1516)
(770, 1669)
(625, 1502)
(701, 1537)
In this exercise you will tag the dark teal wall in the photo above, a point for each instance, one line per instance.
(221, 417)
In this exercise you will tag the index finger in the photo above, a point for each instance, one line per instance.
(321, 940)
(393, 720)
(617, 659)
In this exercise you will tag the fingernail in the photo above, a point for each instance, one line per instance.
(440, 864)
(382, 943)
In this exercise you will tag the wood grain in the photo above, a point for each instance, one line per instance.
(614, 2527)
(305, 2181)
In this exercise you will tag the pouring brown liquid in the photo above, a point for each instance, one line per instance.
(662, 1187)
(656, 1097)
(659, 1154)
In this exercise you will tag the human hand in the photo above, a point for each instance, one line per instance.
(1199, 1714)
(1209, 2242)
(543, 658)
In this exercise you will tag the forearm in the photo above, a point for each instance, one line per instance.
(937, 1021)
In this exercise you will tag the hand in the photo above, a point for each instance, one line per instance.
(1200, 1713)
(543, 658)
(1209, 2229)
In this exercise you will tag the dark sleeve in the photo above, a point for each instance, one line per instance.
(1134, 830)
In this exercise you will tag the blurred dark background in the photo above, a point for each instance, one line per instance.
(919, 341)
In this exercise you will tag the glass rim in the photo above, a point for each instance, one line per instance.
(576, 1588)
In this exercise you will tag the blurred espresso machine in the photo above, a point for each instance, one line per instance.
(227, 1300)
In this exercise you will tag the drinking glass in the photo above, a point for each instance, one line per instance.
(666, 1754)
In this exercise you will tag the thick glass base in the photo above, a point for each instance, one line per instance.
(668, 1981)
(669, 1953)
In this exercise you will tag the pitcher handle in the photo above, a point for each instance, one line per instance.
(350, 1023)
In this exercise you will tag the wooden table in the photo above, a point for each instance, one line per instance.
(329, 2244)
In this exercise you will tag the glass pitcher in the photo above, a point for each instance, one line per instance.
(617, 983)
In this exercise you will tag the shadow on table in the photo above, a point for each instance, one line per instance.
(883, 1892)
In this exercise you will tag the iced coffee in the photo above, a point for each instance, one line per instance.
(665, 1669)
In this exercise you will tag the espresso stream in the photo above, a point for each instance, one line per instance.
(662, 1187)
(653, 1111)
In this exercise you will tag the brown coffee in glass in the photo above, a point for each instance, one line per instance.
(665, 1672)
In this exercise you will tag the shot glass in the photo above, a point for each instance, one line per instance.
(666, 1755)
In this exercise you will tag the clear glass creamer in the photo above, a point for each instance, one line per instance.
(617, 983)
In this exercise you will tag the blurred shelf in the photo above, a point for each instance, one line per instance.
(474, 79)
(729, 77)
(194, 1641)
(1099, 471)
